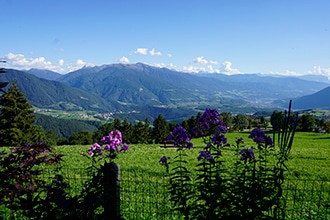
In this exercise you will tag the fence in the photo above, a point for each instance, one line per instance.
(144, 195)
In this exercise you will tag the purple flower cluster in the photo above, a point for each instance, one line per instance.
(259, 136)
(112, 144)
(209, 117)
(219, 139)
(247, 153)
(180, 137)
(209, 123)
(205, 154)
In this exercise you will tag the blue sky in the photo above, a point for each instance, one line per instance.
(288, 37)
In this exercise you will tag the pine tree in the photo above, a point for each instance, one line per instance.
(127, 130)
(16, 118)
(148, 132)
(160, 130)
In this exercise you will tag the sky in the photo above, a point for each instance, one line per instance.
(286, 37)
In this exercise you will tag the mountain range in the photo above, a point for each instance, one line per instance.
(141, 91)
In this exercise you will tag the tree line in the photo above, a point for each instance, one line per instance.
(17, 125)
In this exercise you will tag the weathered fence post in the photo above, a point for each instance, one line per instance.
(111, 191)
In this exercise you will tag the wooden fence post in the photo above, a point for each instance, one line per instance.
(111, 191)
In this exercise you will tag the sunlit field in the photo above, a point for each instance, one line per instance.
(310, 155)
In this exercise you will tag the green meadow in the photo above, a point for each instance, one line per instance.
(309, 158)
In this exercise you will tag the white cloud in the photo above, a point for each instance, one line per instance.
(226, 68)
(197, 69)
(142, 51)
(169, 55)
(164, 65)
(20, 62)
(200, 60)
(213, 62)
(60, 62)
(154, 53)
(320, 71)
(78, 65)
(123, 59)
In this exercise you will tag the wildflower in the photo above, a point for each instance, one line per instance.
(247, 153)
(125, 147)
(180, 137)
(163, 159)
(209, 117)
(222, 128)
(219, 139)
(107, 147)
(259, 136)
(97, 147)
(204, 154)
(91, 153)
(112, 145)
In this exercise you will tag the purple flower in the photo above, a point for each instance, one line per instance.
(112, 145)
(115, 137)
(259, 136)
(180, 137)
(97, 147)
(125, 147)
(222, 128)
(204, 154)
(107, 147)
(219, 139)
(189, 145)
(209, 117)
(247, 153)
(163, 159)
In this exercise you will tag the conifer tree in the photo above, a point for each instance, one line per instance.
(160, 130)
(16, 118)
(148, 132)
(127, 130)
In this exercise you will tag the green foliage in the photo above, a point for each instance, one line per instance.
(160, 130)
(127, 131)
(64, 128)
(306, 122)
(241, 122)
(227, 118)
(83, 137)
(16, 118)
(24, 190)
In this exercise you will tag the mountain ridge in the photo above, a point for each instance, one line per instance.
(139, 91)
